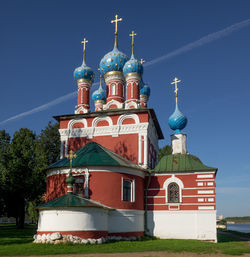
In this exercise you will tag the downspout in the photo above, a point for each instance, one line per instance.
(146, 230)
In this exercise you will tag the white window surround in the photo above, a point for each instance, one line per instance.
(132, 189)
(173, 179)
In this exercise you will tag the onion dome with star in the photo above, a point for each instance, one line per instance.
(113, 61)
(132, 66)
(84, 72)
(144, 89)
(99, 94)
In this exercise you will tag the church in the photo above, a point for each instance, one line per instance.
(108, 181)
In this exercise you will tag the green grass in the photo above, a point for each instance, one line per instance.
(19, 242)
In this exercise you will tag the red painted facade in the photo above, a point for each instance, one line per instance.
(196, 192)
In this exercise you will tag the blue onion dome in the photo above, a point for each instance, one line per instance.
(145, 89)
(84, 72)
(113, 61)
(99, 94)
(177, 121)
(132, 66)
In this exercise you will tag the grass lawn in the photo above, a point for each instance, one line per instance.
(19, 242)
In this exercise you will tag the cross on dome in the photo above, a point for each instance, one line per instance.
(116, 21)
(175, 82)
(70, 156)
(84, 47)
(142, 61)
(133, 34)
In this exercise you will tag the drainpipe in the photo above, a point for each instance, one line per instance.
(146, 230)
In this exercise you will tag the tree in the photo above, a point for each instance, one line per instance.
(166, 150)
(4, 159)
(22, 184)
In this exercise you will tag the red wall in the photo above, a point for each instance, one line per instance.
(104, 187)
(156, 199)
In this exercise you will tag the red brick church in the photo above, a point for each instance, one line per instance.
(108, 181)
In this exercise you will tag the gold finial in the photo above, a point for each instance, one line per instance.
(84, 47)
(132, 35)
(175, 82)
(70, 156)
(116, 21)
(142, 61)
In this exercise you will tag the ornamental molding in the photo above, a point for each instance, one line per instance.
(132, 104)
(119, 78)
(81, 110)
(113, 102)
(91, 169)
(112, 130)
(74, 121)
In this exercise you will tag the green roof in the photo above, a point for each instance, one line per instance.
(181, 163)
(94, 154)
(71, 200)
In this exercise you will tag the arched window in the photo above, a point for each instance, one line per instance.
(173, 193)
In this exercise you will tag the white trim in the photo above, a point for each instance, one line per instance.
(182, 174)
(205, 192)
(140, 149)
(98, 119)
(189, 188)
(198, 195)
(113, 102)
(205, 176)
(205, 207)
(132, 103)
(128, 116)
(91, 169)
(167, 204)
(74, 121)
(176, 180)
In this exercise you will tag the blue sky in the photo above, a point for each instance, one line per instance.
(40, 48)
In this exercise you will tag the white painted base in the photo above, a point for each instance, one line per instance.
(199, 225)
(125, 221)
(73, 219)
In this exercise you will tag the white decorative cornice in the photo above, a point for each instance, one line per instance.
(113, 102)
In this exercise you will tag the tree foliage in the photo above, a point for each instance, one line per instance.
(22, 163)
(166, 150)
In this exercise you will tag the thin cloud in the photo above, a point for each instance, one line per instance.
(204, 40)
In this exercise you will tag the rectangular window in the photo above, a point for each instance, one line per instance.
(128, 190)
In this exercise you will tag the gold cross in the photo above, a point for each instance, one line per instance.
(116, 21)
(175, 82)
(132, 35)
(142, 61)
(84, 47)
(70, 156)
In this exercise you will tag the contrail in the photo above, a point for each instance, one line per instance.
(202, 41)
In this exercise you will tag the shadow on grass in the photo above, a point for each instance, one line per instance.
(9, 234)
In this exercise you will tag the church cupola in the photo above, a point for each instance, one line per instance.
(84, 77)
(132, 71)
(144, 94)
(177, 122)
(99, 97)
(111, 68)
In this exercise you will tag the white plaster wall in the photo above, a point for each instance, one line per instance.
(199, 225)
(125, 221)
(77, 219)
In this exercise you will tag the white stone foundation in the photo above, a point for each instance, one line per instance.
(199, 225)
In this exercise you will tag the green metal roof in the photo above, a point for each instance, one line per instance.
(181, 163)
(94, 154)
(71, 201)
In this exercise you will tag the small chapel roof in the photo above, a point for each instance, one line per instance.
(181, 163)
(94, 154)
(71, 200)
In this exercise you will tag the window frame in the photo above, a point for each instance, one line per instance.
(132, 190)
